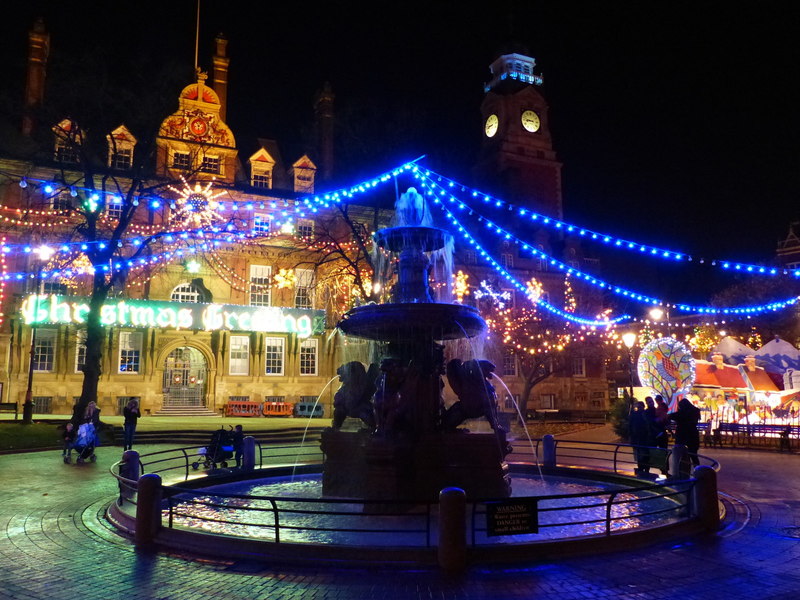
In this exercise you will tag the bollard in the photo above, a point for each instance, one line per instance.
(678, 462)
(148, 509)
(128, 469)
(548, 451)
(452, 549)
(248, 453)
(705, 503)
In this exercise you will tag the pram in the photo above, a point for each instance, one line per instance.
(218, 451)
(85, 442)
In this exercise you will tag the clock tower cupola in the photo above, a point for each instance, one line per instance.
(517, 161)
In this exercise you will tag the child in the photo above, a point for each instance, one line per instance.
(69, 442)
(238, 443)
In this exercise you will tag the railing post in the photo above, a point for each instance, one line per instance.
(679, 462)
(452, 551)
(705, 503)
(148, 509)
(248, 453)
(128, 469)
(548, 451)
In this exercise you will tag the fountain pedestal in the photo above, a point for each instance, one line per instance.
(358, 465)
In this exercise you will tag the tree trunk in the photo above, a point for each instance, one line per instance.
(94, 349)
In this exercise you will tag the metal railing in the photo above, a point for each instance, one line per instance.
(627, 505)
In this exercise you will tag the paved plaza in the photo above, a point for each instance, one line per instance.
(56, 543)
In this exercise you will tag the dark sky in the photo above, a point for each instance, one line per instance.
(677, 122)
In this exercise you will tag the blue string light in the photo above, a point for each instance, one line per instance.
(611, 240)
(619, 290)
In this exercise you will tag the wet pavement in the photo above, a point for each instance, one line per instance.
(56, 543)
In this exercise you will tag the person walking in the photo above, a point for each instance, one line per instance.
(686, 418)
(131, 414)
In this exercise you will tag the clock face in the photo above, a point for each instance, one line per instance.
(491, 126)
(198, 126)
(530, 121)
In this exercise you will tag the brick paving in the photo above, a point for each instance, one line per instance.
(55, 543)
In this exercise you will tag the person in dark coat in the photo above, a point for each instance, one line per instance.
(238, 445)
(131, 414)
(641, 437)
(686, 418)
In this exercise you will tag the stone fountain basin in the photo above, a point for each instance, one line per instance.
(387, 322)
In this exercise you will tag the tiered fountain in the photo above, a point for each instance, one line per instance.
(411, 446)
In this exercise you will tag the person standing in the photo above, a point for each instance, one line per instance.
(641, 437)
(238, 445)
(686, 418)
(131, 414)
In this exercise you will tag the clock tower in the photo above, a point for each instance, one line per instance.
(517, 162)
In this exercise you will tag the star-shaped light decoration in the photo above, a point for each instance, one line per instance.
(197, 206)
(285, 278)
(192, 266)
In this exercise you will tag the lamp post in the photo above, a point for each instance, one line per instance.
(44, 253)
(629, 339)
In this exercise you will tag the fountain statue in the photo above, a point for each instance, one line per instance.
(411, 446)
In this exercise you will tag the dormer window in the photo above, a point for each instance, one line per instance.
(304, 172)
(262, 180)
(120, 148)
(68, 139)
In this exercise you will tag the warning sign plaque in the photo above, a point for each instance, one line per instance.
(512, 517)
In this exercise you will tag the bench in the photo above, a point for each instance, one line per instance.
(10, 407)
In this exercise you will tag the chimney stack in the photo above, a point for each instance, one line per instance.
(38, 51)
(323, 112)
(221, 62)
(717, 359)
(750, 362)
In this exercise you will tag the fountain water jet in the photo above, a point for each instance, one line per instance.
(413, 448)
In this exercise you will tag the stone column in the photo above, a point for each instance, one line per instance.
(248, 453)
(548, 451)
(148, 509)
(705, 503)
(452, 529)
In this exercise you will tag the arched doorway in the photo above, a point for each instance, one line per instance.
(185, 378)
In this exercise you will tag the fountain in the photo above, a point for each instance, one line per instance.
(411, 446)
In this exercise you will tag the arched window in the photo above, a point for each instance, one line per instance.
(186, 292)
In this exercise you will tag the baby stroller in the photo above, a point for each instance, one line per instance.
(85, 442)
(218, 451)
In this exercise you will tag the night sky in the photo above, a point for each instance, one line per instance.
(677, 122)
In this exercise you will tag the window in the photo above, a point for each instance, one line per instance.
(262, 180)
(579, 367)
(303, 297)
(261, 223)
(509, 364)
(471, 257)
(44, 351)
(65, 152)
(54, 287)
(547, 401)
(305, 228)
(210, 164)
(80, 351)
(122, 158)
(274, 350)
(260, 279)
(42, 405)
(511, 402)
(61, 201)
(130, 351)
(181, 160)
(185, 292)
(507, 260)
(308, 356)
(114, 207)
(581, 398)
(239, 363)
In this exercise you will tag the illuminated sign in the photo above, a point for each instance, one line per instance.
(175, 315)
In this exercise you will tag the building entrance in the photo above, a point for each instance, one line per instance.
(185, 378)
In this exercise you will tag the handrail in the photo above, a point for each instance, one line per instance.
(603, 456)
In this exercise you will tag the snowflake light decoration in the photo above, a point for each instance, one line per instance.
(486, 291)
(197, 206)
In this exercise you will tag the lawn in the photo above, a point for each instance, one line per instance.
(16, 436)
